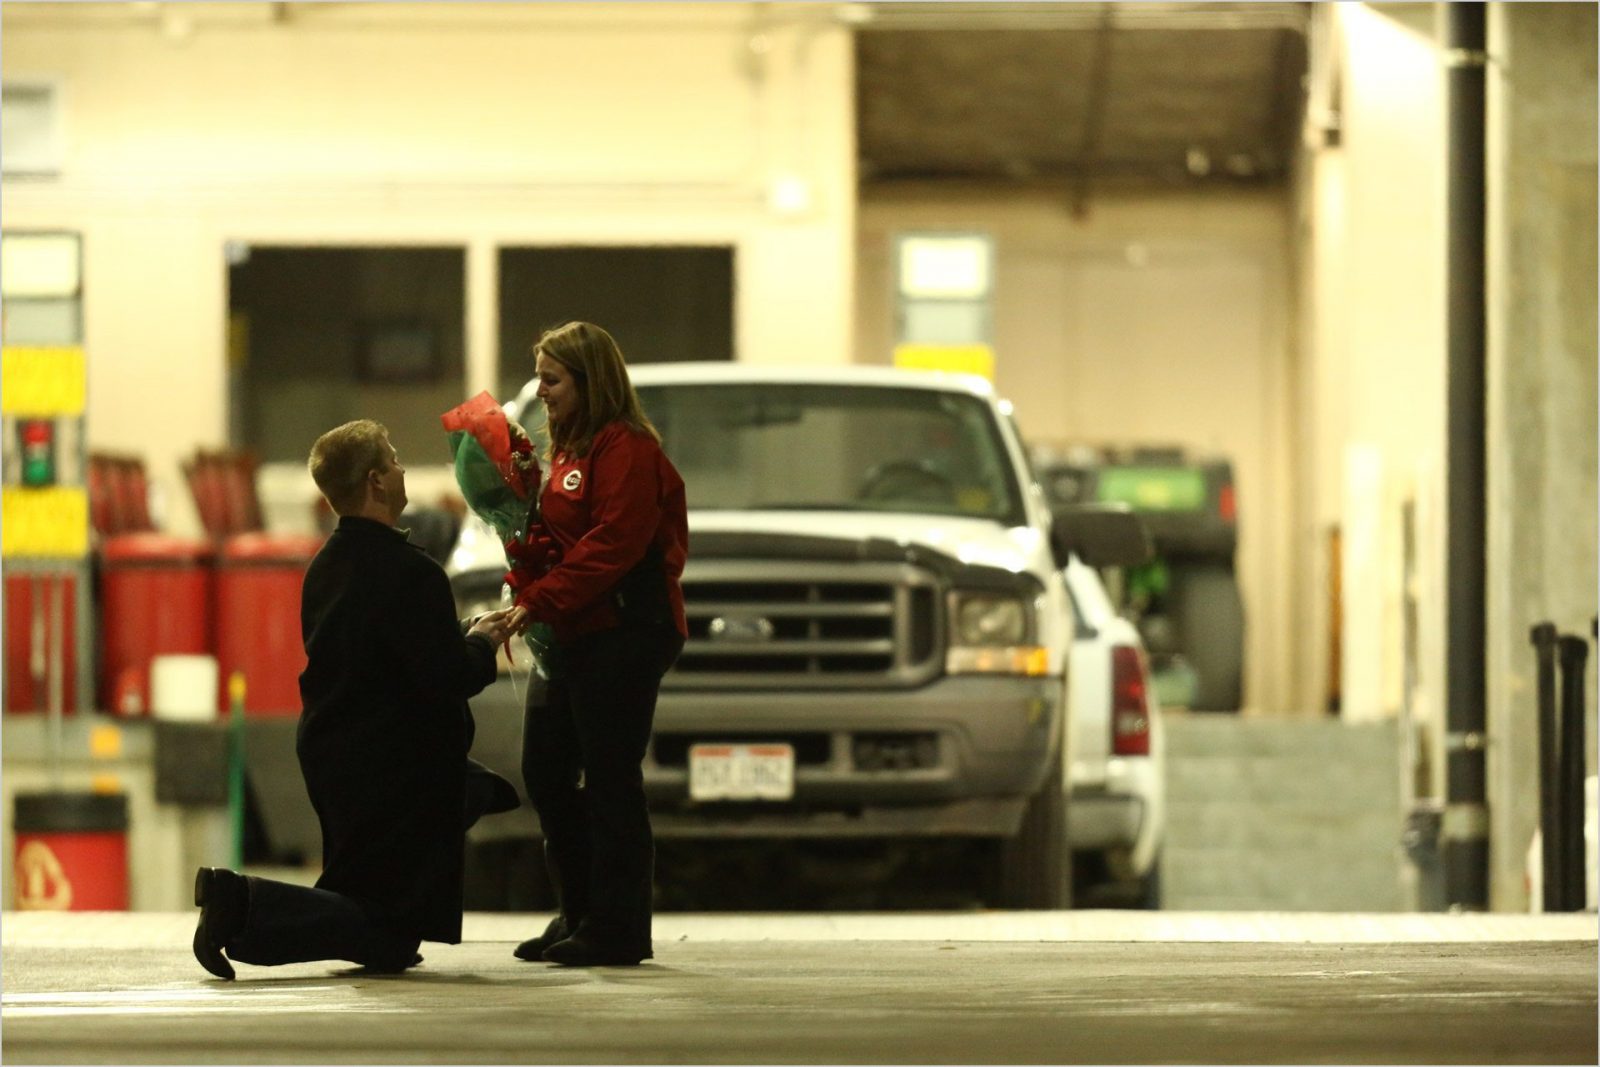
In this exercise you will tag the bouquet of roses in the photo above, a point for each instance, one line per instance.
(497, 469)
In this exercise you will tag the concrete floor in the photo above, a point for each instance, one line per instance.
(1060, 987)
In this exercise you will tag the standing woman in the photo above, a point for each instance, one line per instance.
(614, 508)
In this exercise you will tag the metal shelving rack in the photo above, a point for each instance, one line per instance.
(44, 534)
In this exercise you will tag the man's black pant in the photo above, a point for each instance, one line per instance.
(299, 924)
(287, 923)
(592, 724)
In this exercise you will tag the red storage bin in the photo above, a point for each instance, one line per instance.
(155, 600)
(258, 618)
(71, 852)
(29, 638)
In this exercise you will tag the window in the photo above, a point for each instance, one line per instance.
(320, 336)
(662, 304)
(30, 129)
(831, 448)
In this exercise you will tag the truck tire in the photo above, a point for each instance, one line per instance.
(1035, 865)
(1095, 884)
(1209, 615)
(506, 874)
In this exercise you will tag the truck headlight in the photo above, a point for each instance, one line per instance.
(992, 633)
(983, 619)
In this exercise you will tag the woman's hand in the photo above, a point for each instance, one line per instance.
(500, 626)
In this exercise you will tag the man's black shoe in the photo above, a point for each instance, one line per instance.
(533, 948)
(402, 968)
(584, 949)
(487, 793)
(224, 899)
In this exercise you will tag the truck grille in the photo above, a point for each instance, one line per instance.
(769, 624)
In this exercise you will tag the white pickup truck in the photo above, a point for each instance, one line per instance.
(890, 634)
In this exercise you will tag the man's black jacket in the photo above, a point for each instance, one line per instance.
(385, 729)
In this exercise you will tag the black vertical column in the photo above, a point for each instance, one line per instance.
(1574, 653)
(1466, 817)
(1550, 825)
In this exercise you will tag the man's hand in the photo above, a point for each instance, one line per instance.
(500, 626)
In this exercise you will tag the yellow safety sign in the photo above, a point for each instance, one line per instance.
(52, 521)
(958, 359)
(43, 381)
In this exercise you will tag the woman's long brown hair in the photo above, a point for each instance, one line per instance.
(604, 389)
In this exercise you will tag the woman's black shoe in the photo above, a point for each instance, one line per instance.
(584, 949)
(533, 948)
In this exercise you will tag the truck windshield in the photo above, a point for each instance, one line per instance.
(835, 448)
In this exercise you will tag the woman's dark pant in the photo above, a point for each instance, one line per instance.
(583, 742)
(299, 924)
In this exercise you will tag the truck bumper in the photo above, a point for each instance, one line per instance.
(1101, 820)
(960, 756)
(1124, 814)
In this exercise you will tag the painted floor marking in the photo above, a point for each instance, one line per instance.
(320, 999)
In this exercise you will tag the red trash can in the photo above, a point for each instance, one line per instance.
(155, 600)
(71, 852)
(258, 618)
(31, 631)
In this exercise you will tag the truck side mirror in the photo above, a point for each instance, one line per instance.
(1102, 535)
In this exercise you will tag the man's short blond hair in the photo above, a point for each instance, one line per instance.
(343, 457)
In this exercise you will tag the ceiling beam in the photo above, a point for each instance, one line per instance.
(1094, 109)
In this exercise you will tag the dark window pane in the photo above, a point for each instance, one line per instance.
(319, 336)
(662, 304)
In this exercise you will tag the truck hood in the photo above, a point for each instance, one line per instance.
(978, 542)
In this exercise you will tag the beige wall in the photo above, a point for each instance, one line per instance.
(188, 125)
(1151, 320)
(1372, 368)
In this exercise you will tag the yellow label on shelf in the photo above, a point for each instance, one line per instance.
(105, 742)
(43, 381)
(50, 522)
(958, 359)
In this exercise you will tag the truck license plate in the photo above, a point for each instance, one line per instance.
(741, 772)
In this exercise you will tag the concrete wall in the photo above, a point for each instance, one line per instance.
(474, 125)
(1151, 320)
(1542, 391)
(1371, 379)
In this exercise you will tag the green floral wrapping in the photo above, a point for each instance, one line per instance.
(486, 493)
(476, 429)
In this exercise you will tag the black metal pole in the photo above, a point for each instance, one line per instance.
(1574, 660)
(1550, 823)
(1466, 820)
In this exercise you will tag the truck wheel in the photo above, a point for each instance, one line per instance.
(1210, 622)
(506, 874)
(1096, 885)
(1147, 889)
(1035, 866)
